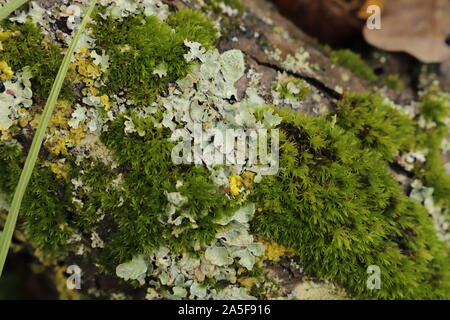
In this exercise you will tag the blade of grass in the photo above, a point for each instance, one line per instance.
(6, 236)
(9, 7)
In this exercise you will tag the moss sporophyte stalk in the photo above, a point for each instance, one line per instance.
(146, 172)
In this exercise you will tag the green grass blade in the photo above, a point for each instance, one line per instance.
(6, 236)
(12, 5)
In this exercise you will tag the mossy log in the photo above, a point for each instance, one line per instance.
(339, 204)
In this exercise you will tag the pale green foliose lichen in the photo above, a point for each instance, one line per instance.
(289, 90)
(133, 270)
(424, 195)
(17, 94)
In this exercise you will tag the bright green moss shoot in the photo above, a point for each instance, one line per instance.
(194, 26)
(26, 48)
(394, 82)
(376, 124)
(337, 206)
(234, 4)
(140, 46)
(353, 62)
(46, 205)
(435, 108)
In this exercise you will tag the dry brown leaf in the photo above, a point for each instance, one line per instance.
(418, 27)
(363, 14)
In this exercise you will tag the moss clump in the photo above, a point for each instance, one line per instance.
(234, 4)
(394, 82)
(24, 45)
(193, 26)
(98, 177)
(435, 109)
(335, 204)
(46, 205)
(378, 125)
(146, 54)
(353, 62)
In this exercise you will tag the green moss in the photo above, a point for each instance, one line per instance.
(378, 125)
(433, 172)
(353, 62)
(229, 21)
(139, 47)
(394, 82)
(335, 204)
(98, 177)
(194, 26)
(25, 47)
(46, 205)
(234, 4)
(10, 168)
(435, 108)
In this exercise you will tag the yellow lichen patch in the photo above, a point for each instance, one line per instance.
(6, 34)
(84, 50)
(241, 270)
(238, 183)
(84, 64)
(25, 117)
(56, 145)
(273, 251)
(91, 91)
(35, 122)
(61, 135)
(235, 185)
(248, 282)
(104, 99)
(60, 116)
(247, 179)
(6, 135)
(77, 134)
(6, 72)
(86, 71)
(59, 168)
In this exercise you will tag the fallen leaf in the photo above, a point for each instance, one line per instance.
(418, 27)
(364, 14)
